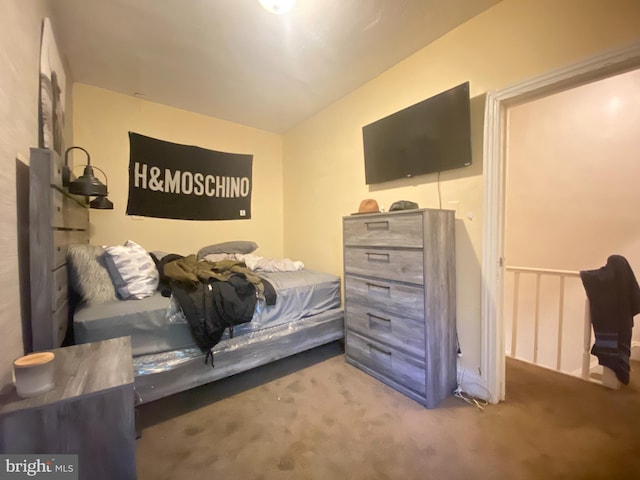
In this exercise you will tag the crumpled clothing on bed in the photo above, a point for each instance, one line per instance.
(257, 263)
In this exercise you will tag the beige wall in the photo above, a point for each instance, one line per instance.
(572, 177)
(102, 120)
(572, 200)
(20, 26)
(323, 162)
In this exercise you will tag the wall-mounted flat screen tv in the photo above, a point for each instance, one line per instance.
(431, 136)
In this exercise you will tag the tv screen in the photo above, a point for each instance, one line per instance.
(431, 136)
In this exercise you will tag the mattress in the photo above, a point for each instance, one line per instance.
(157, 325)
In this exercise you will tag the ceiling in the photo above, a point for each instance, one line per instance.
(233, 60)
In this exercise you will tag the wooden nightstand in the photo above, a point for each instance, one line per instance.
(89, 412)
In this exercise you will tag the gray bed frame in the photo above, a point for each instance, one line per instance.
(58, 219)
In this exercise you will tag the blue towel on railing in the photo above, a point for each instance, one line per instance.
(614, 299)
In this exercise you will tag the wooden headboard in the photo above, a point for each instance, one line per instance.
(56, 220)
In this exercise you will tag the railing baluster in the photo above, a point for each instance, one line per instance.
(514, 328)
(536, 320)
(586, 346)
(560, 322)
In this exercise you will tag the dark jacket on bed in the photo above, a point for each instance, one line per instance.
(214, 305)
(214, 295)
(189, 269)
(614, 299)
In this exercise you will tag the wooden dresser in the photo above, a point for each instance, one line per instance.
(56, 220)
(400, 321)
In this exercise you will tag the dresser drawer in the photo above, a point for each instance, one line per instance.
(388, 312)
(404, 334)
(397, 230)
(59, 287)
(386, 361)
(400, 265)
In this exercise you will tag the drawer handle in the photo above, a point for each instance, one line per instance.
(378, 257)
(377, 348)
(377, 225)
(379, 319)
(381, 287)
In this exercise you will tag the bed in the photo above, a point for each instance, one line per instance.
(166, 360)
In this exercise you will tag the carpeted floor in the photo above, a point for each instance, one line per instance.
(313, 416)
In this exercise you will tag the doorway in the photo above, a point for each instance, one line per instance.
(495, 155)
(571, 197)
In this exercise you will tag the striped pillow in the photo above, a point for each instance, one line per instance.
(132, 270)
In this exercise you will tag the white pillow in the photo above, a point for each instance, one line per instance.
(132, 270)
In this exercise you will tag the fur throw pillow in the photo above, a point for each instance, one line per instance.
(88, 274)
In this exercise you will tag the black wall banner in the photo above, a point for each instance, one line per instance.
(169, 180)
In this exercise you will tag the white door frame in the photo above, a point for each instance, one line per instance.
(494, 154)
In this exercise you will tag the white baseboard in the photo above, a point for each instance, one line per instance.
(592, 366)
(473, 384)
(635, 355)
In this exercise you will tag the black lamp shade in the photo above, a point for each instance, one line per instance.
(101, 203)
(88, 185)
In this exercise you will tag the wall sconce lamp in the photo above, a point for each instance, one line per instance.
(87, 184)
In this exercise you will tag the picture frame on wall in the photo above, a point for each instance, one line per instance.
(52, 92)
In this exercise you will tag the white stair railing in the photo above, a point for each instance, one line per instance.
(608, 378)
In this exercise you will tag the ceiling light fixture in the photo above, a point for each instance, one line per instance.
(278, 7)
